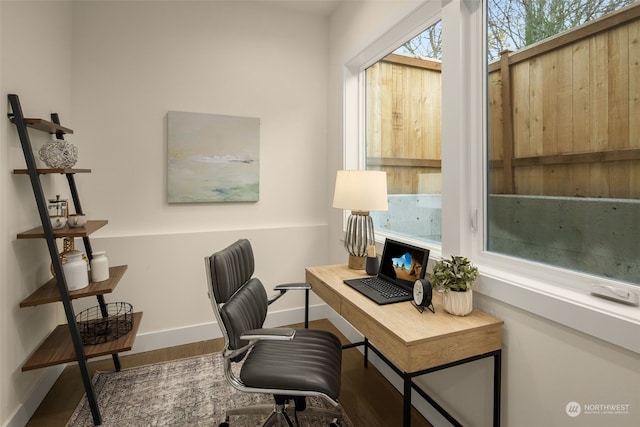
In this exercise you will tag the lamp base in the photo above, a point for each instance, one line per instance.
(357, 262)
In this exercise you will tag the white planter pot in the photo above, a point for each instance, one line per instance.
(458, 303)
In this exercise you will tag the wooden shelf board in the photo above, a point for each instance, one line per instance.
(46, 171)
(90, 227)
(58, 347)
(44, 125)
(49, 293)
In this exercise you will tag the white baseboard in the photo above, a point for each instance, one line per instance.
(169, 338)
(172, 337)
(24, 413)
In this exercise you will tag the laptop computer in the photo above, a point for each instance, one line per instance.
(401, 265)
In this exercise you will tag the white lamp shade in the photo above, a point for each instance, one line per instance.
(361, 190)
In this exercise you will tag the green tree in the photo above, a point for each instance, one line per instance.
(514, 24)
(426, 45)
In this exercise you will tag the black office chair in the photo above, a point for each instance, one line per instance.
(290, 364)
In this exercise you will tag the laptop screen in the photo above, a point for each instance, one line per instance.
(402, 263)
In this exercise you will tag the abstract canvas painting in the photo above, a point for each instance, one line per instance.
(212, 158)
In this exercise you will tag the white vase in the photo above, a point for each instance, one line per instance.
(75, 271)
(458, 303)
(99, 267)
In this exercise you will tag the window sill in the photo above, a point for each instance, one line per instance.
(609, 321)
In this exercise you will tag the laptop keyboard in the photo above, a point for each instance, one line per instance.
(385, 289)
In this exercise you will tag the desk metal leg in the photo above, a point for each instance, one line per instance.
(406, 401)
(497, 383)
(366, 352)
(366, 345)
(306, 308)
(408, 384)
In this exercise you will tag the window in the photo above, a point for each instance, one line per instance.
(472, 162)
(563, 134)
(403, 94)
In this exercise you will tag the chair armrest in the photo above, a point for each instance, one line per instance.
(255, 335)
(273, 334)
(293, 287)
(283, 288)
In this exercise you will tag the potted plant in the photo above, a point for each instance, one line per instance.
(454, 278)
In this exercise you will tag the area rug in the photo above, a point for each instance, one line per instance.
(186, 392)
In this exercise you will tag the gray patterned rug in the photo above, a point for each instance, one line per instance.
(187, 392)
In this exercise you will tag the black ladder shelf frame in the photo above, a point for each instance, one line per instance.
(18, 119)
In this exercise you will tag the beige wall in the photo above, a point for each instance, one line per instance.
(113, 70)
(113, 84)
(35, 55)
(232, 58)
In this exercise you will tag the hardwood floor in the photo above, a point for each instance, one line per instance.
(366, 396)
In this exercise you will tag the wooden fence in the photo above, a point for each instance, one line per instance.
(403, 123)
(573, 127)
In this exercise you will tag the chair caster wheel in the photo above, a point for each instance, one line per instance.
(223, 424)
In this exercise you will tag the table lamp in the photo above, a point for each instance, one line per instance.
(360, 191)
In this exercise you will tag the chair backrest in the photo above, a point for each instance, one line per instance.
(239, 300)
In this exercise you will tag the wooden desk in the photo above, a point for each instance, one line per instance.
(412, 343)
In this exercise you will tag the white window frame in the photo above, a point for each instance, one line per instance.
(557, 294)
(426, 15)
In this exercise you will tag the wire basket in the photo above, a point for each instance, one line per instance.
(97, 329)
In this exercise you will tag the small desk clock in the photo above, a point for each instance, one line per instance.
(422, 295)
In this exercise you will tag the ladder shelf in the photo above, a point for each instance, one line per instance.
(64, 344)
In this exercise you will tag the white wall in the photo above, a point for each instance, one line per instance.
(134, 61)
(232, 58)
(35, 64)
(113, 70)
(545, 365)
